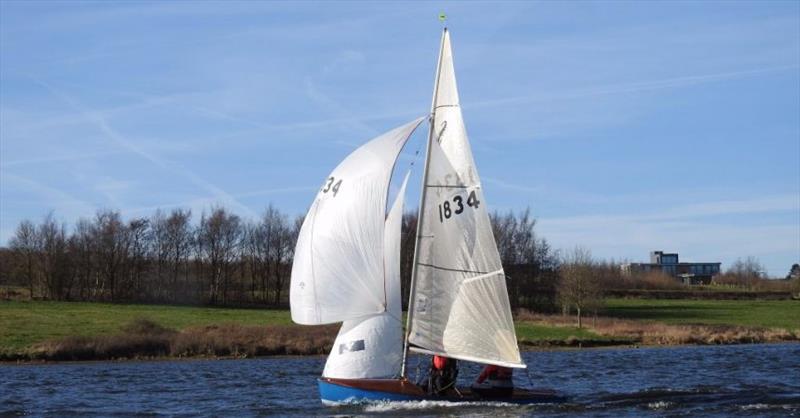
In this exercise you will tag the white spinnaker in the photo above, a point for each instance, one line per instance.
(338, 271)
(372, 347)
(461, 306)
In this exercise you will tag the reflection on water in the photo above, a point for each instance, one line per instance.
(741, 380)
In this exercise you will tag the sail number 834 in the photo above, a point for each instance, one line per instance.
(448, 209)
(332, 185)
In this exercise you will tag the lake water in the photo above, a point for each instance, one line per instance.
(744, 380)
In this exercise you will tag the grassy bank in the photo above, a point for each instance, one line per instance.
(670, 321)
(25, 323)
(80, 331)
(83, 331)
(747, 313)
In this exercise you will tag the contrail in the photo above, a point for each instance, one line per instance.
(633, 87)
(120, 140)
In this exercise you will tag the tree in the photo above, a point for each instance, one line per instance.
(172, 240)
(408, 234)
(111, 242)
(24, 244)
(577, 288)
(747, 272)
(82, 250)
(218, 240)
(138, 239)
(55, 262)
(528, 261)
(794, 272)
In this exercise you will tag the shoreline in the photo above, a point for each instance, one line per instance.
(523, 348)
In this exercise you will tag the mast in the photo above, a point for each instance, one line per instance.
(421, 211)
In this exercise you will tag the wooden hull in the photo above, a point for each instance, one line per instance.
(338, 391)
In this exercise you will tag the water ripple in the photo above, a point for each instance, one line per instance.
(684, 381)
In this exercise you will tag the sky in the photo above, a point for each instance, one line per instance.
(625, 127)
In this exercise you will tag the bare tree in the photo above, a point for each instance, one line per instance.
(82, 250)
(745, 273)
(529, 262)
(24, 244)
(111, 240)
(138, 240)
(172, 243)
(261, 239)
(577, 288)
(56, 267)
(408, 234)
(159, 253)
(219, 238)
(283, 252)
(277, 245)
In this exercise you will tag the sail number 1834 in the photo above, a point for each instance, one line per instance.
(448, 209)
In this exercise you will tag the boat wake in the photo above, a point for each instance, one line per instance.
(700, 400)
(388, 406)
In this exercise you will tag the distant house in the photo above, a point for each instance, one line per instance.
(688, 273)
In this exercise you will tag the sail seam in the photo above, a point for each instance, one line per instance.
(455, 270)
(447, 186)
(450, 105)
(311, 251)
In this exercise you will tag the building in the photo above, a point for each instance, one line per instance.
(668, 263)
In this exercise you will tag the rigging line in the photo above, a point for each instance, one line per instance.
(449, 269)
(447, 186)
(385, 204)
(414, 160)
(420, 212)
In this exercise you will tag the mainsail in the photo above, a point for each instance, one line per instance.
(372, 347)
(460, 305)
(338, 270)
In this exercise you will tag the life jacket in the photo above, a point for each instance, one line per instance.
(501, 373)
(500, 377)
(439, 362)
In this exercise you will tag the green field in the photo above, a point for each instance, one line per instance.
(26, 323)
(750, 313)
(23, 324)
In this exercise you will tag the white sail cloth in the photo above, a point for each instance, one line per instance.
(372, 347)
(338, 269)
(460, 303)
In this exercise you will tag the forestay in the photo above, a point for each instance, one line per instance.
(372, 347)
(338, 269)
(460, 303)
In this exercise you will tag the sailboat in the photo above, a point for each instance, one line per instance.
(347, 265)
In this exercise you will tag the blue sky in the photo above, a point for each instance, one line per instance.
(624, 126)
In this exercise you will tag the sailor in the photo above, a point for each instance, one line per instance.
(444, 371)
(494, 381)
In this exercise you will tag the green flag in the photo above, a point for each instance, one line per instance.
(442, 17)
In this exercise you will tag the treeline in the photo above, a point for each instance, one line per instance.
(223, 259)
(166, 258)
(220, 259)
(584, 283)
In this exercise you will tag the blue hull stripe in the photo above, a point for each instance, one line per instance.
(330, 392)
(335, 394)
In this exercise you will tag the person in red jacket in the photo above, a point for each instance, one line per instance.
(494, 381)
(443, 374)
